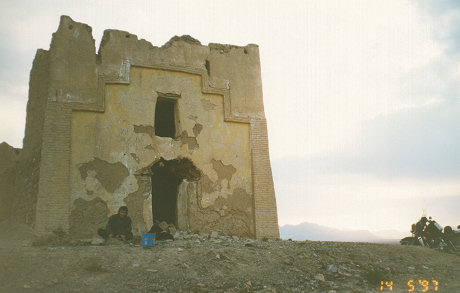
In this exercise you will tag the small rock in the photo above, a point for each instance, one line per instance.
(236, 238)
(27, 287)
(320, 277)
(214, 234)
(425, 267)
(411, 268)
(331, 291)
(152, 270)
(136, 265)
(97, 241)
(180, 249)
(332, 268)
(218, 256)
(185, 265)
(172, 230)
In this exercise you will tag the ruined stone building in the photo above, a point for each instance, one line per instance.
(177, 133)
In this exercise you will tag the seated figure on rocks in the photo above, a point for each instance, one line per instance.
(161, 230)
(118, 226)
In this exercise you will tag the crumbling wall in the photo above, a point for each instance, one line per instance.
(126, 128)
(20, 168)
(9, 157)
(98, 134)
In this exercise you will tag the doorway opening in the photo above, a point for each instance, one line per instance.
(166, 178)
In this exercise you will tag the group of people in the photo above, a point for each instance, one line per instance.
(119, 227)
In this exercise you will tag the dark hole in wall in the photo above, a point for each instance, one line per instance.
(206, 64)
(164, 119)
(166, 177)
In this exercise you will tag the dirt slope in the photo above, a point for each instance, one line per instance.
(201, 263)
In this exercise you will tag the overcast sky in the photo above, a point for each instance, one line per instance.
(362, 98)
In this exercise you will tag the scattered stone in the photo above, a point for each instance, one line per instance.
(214, 234)
(425, 267)
(136, 265)
(97, 241)
(152, 270)
(411, 268)
(320, 277)
(27, 286)
(236, 238)
(332, 268)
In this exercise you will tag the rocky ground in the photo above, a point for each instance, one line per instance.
(219, 263)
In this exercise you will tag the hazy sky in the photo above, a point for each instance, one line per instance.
(362, 98)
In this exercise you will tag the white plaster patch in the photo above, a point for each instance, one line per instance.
(128, 186)
(208, 199)
(147, 212)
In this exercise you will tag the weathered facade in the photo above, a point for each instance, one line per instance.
(176, 133)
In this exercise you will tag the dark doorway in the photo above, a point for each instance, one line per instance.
(164, 194)
(166, 177)
(164, 118)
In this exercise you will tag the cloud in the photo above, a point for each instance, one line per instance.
(447, 16)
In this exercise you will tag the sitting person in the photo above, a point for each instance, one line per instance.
(118, 226)
(160, 233)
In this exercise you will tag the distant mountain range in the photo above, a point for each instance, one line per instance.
(315, 232)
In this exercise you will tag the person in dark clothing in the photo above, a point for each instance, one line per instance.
(160, 233)
(118, 226)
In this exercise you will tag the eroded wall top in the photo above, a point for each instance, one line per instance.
(73, 58)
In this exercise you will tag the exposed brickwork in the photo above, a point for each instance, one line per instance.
(265, 214)
(53, 201)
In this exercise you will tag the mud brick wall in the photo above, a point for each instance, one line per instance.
(53, 198)
(265, 212)
(99, 122)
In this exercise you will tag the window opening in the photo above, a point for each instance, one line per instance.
(164, 118)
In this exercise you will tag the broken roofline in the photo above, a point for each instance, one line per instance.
(224, 48)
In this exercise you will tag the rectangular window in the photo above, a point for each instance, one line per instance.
(164, 118)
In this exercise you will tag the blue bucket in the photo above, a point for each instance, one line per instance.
(148, 239)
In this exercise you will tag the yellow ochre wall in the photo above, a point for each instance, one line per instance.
(110, 136)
